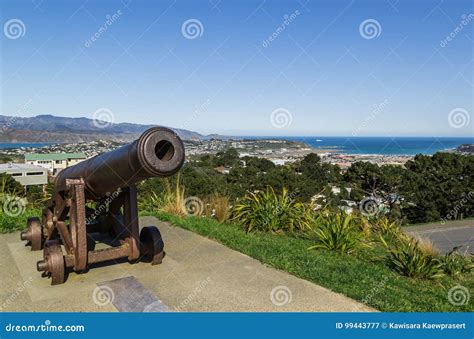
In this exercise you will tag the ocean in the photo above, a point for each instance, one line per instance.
(354, 145)
(381, 145)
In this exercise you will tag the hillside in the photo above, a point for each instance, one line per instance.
(50, 128)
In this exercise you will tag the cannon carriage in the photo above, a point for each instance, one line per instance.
(99, 195)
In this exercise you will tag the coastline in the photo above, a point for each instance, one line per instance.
(277, 150)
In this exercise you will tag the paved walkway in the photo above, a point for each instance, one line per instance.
(197, 274)
(459, 234)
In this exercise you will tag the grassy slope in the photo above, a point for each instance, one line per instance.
(17, 223)
(362, 278)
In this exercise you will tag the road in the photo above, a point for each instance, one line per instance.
(445, 237)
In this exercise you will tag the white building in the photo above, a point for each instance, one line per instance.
(54, 162)
(26, 174)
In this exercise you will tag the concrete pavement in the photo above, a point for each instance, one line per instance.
(197, 274)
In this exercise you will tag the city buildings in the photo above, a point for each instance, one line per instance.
(54, 162)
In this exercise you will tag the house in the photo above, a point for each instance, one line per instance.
(26, 174)
(54, 162)
(222, 169)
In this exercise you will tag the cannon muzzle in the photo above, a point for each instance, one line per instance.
(158, 152)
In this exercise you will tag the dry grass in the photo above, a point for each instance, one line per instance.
(426, 246)
(218, 206)
(174, 198)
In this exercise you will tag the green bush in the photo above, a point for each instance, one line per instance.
(386, 228)
(12, 223)
(337, 232)
(267, 211)
(454, 264)
(407, 258)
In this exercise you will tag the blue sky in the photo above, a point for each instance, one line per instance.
(319, 75)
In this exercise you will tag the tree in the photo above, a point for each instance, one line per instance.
(228, 158)
(10, 185)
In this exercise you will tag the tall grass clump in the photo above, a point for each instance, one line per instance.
(218, 206)
(406, 257)
(170, 200)
(337, 232)
(386, 228)
(272, 212)
(455, 265)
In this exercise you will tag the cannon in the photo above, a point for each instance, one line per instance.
(99, 196)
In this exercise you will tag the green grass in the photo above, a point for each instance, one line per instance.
(363, 276)
(10, 224)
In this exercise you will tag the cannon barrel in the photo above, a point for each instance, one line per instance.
(158, 152)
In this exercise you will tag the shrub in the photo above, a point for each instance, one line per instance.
(386, 228)
(337, 232)
(407, 258)
(426, 246)
(455, 264)
(11, 223)
(171, 200)
(267, 211)
(218, 206)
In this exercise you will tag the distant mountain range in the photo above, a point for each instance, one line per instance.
(50, 128)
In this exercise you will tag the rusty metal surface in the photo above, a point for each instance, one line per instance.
(54, 259)
(130, 217)
(107, 254)
(77, 217)
(33, 233)
(158, 152)
(65, 236)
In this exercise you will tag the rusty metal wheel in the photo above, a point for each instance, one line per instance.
(33, 233)
(53, 262)
(77, 216)
(151, 245)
